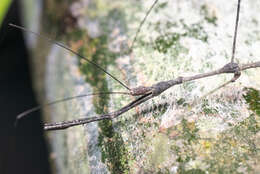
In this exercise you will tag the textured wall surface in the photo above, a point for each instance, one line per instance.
(186, 129)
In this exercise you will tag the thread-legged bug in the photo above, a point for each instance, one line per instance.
(186, 46)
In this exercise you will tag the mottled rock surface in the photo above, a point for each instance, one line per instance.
(187, 129)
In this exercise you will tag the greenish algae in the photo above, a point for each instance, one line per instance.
(164, 42)
(252, 97)
(171, 40)
(232, 152)
(160, 6)
(235, 149)
(114, 153)
(195, 30)
(207, 109)
(168, 40)
(189, 131)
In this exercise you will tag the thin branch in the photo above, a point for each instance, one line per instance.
(70, 50)
(235, 33)
(155, 90)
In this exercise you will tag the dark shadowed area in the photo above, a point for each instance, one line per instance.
(22, 149)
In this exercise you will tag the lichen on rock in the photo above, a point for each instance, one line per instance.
(187, 129)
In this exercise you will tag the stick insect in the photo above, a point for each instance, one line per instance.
(143, 93)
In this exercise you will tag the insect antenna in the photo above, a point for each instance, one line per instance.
(235, 33)
(69, 49)
(29, 111)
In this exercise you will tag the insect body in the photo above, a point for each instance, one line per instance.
(153, 90)
(175, 49)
